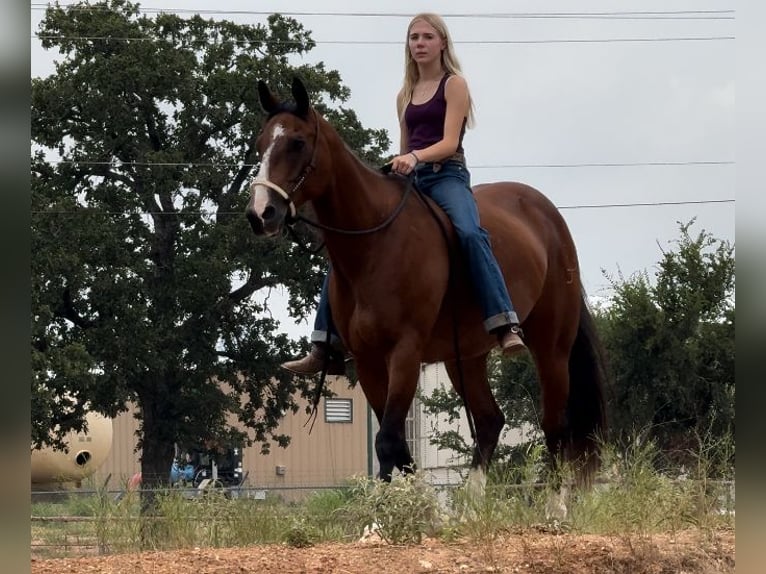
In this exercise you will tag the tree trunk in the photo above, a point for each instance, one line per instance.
(156, 459)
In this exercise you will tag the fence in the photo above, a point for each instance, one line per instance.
(77, 523)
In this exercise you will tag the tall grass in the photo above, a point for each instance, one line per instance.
(634, 498)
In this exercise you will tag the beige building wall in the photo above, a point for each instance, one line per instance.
(329, 454)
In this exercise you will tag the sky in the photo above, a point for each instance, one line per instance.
(589, 123)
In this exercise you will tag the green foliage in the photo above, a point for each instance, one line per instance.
(300, 535)
(643, 496)
(638, 500)
(671, 345)
(401, 512)
(514, 496)
(328, 513)
(147, 284)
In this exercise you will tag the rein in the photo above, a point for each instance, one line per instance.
(394, 214)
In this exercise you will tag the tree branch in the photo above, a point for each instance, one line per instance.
(67, 311)
(244, 171)
(118, 177)
(248, 288)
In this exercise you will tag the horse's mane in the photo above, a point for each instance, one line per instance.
(291, 108)
(401, 181)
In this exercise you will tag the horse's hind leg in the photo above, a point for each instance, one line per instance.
(488, 419)
(553, 372)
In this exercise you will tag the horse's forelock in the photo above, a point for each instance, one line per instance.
(286, 108)
(282, 108)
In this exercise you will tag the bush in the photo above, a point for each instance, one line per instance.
(402, 511)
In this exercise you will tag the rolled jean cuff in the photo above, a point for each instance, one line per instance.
(501, 320)
(321, 337)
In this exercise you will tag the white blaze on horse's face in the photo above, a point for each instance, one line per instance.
(260, 192)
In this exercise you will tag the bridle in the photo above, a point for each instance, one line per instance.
(307, 169)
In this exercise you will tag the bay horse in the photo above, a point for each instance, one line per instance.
(393, 302)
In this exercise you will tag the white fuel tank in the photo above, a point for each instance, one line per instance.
(87, 452)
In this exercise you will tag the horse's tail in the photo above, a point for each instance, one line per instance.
(586, 408)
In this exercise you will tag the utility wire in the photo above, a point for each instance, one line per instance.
(87, 211)
(602, 164)
(396, 42)
(646, 204)
(640, 15)
(647, 15)
(727, 14)
(477, 166)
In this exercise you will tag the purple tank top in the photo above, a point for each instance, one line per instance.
(425, 122)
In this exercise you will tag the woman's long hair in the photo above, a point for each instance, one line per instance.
(450, 63)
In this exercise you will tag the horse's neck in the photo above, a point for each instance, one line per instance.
(357, 195)
(357, 198)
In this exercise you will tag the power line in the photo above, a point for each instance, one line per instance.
(477, 166)
(604, 164)
(90, 7)
(86, 211)
(399, 42)
(646, 204)
(727, 14)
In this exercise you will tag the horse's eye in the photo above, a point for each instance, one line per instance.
(295, 145)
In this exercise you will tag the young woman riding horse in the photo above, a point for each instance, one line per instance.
(434, 106)
(395, 298)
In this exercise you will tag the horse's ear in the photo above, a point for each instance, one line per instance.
(268, 102)
(301, 97)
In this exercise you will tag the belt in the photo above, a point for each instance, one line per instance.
(455, 157)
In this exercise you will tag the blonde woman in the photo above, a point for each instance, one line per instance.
(434, 107)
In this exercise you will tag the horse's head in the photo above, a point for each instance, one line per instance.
(287, 147)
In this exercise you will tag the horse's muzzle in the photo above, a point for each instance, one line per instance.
(268, 222)
(255, 222)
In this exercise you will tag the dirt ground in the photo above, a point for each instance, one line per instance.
(531, 552)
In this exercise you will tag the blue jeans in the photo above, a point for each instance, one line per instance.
(450, 188)
(323, 320)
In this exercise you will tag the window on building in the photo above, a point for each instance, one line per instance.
(338, 410)
(412, 430)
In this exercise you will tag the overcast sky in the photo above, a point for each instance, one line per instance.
(542, 104)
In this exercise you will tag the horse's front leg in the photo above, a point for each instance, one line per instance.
(403, 366)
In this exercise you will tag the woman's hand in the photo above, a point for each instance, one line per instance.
(404, 164)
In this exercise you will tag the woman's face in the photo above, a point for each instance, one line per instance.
(424, 42)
